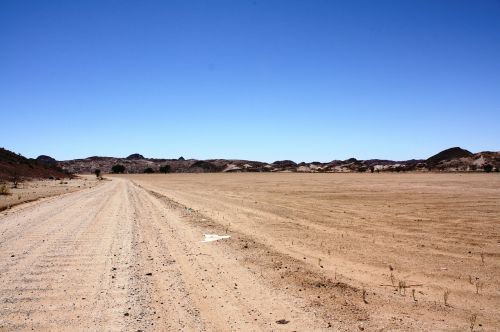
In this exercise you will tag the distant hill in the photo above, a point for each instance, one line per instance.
(43, 159)
(449, 154)
(135, 156)
(450, 160)
(457, 159)
(14, 166)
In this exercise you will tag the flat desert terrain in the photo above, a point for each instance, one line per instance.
(307, 252)
(29, 191)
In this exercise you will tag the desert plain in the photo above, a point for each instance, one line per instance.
(307, 252)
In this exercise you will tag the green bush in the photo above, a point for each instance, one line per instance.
(488, 168)
(149, 170)
(165, 169)
(118, 169)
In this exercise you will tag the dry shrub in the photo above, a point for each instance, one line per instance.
(446, 295)
(472, 321)
(4, 190)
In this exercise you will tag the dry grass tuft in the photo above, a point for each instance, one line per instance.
(479, 285)
(472, 321)
(402, 287)
(4, 190)
(446, 295)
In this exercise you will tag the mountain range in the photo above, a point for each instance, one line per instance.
(14, 166)
(453, 159)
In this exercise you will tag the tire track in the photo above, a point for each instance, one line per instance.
(116, 258)
(61, 275)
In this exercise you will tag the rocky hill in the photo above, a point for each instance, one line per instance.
(15, 167)
(450, 160)
(486, 160)
(449, 154)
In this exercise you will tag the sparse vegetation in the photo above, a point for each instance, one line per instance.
(4, 190)
(97, 173)
(393, 280)
(149, 170)
(118, 169)
(488, 168)
(472, 321)
(471, 280)
(446, 295)
(15, 180)
(402, 287)
(478, 285)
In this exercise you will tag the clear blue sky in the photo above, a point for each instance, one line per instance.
(263, 80)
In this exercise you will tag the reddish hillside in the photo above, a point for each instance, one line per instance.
(14, 166)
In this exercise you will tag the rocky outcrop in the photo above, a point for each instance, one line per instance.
(450, 160)
(135, 156)
(449, 154)
(15, 167)
(47, 160)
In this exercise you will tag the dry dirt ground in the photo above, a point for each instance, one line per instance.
(28, 191)
(307, 252)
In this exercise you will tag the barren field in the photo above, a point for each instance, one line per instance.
(29, 191)
(307, 252)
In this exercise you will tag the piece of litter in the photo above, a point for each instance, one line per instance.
(214, 237)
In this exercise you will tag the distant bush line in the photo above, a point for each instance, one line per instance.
(118, 169)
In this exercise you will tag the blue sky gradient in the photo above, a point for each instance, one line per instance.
(261, 80)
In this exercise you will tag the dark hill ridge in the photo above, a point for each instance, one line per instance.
(135, 156)
(16, 167)
(449, 154)
(450, 160)
(43, 159)
(454, 159)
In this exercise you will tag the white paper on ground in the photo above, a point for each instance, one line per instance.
(214, 237)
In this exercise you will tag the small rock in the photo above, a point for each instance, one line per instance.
(282, 321)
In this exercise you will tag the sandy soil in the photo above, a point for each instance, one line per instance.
(28, 191)
(313, 251)
(434, 233)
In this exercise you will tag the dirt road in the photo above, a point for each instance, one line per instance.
(306, 253)
(115, 257)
